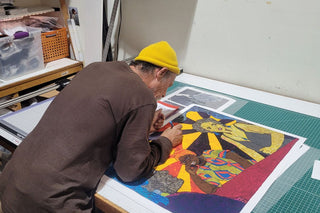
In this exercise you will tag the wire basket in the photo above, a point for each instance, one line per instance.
(55, 45)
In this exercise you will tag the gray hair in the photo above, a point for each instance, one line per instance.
(148, 68)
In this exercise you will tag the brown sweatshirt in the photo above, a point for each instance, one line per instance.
(103, 116)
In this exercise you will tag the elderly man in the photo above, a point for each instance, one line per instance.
(104, 116)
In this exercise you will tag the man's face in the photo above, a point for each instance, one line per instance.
(160, 85)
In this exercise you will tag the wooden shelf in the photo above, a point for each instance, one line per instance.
(31, 12)
(53, 70)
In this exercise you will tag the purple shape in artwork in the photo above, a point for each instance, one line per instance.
(202, 203)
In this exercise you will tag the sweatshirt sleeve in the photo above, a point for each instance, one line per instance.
(136, 157)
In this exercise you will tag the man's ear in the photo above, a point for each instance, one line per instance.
(161, 72)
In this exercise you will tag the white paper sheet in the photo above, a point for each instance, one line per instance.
(316, 170)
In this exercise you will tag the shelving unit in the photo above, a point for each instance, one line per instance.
(52, 72)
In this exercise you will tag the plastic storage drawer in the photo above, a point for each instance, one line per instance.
(21, 56)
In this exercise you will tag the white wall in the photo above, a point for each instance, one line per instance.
(148, 21)
(272, 46)
(90, 29)
(267, 45)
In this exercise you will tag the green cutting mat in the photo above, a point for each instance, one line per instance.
(304, 194)
(295, 190)
(288, 121)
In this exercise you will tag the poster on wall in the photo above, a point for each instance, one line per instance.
(74, 14)
(221, 164)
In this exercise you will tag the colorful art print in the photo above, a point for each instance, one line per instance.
(221, 163)
(189, 95)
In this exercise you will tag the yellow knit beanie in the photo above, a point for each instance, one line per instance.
(160, 54)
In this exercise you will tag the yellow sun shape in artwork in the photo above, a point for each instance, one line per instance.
(208, 126)
(199, 129)
(200, 134)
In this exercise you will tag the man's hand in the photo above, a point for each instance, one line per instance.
(192, 170)
(157, 121)
(174, 134)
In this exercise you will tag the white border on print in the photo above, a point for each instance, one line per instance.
(297, 150)
(229, 102)
(127, 198)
